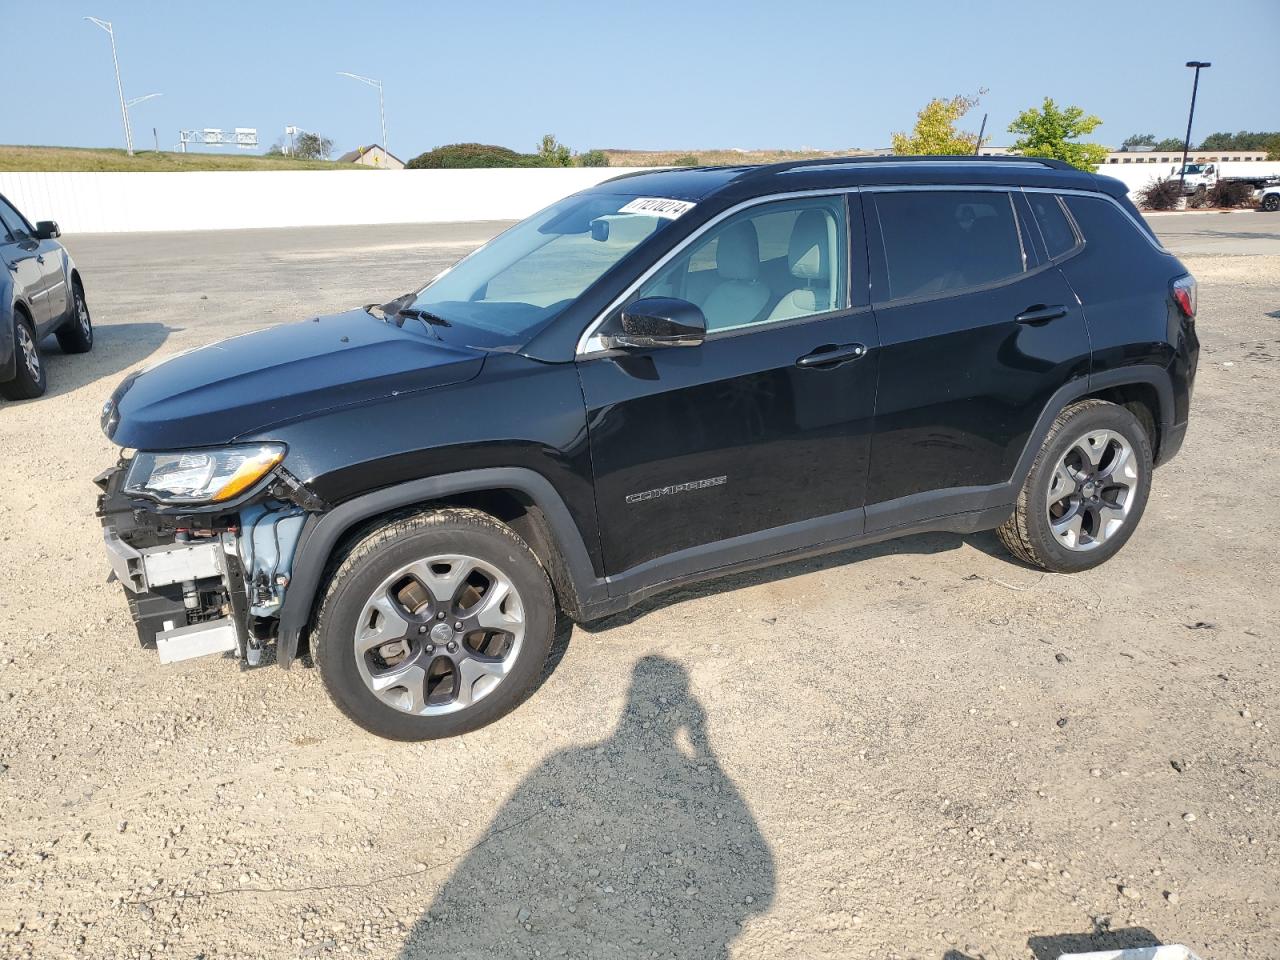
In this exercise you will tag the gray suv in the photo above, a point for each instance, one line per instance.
(40, 293)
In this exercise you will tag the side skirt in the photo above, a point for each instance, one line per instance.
(771, 547)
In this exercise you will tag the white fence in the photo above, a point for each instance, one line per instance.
(228, 200)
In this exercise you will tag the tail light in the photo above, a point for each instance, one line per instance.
(1184, 293)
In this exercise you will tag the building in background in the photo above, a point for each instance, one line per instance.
(373, 156)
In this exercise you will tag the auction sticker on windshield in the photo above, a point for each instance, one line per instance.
(658, 207)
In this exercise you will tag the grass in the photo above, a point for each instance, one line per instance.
(20, 159)
(710, 158)
(17, 159)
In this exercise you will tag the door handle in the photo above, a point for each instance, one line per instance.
(40, 258)
(832, 354)
(1041, 314)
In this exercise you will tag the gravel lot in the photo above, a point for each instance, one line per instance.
(917, 749)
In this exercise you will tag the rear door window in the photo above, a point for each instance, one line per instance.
(1055, 228)
(940, 241)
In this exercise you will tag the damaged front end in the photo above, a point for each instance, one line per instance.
(203, 543)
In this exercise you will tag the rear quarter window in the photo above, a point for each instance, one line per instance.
(1106, 226)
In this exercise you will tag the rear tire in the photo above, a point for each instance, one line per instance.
(1271, 202)
(29, 380)
(1086, 490)
(76, 334)
(433, 625)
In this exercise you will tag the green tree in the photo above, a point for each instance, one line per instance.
(553, 153)
(593, 158)
(1048, 131)
(685, 160)
(312, 146)
(468, 155)
(1244, 140)
(935, 131)
(1272, 144)
(1169, 143)
(1140, 140)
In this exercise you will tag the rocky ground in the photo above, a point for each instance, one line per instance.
(918, 749)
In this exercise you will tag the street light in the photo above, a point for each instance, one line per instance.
(1186, 144)
(124, 110)
(382, 114)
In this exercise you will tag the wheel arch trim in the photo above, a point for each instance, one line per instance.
(1148, 374)
(321, 534)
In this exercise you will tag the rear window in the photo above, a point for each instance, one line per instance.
(1059, 238)
(940, 241)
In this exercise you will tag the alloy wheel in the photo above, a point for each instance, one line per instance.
(439, 634)
(30, 355)
(1092, 490)
(82, 314)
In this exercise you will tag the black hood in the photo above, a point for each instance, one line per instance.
(245, 384)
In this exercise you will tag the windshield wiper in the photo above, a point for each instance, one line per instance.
(413, 313)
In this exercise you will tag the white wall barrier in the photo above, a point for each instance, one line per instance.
(229, 200)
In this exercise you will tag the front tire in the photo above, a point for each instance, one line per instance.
(1086, 490)
(29, 381)
(434, 624)
(76, 334)
(1271, 202)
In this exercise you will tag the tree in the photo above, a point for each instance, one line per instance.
(469, 155)
(312, 146)
(593, 158)
(553, 153)
(935, 130)
(1140, 140)
(1051, 132)
(1272, 144)
(1169, 143)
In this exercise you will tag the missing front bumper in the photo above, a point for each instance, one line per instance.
(186, 598)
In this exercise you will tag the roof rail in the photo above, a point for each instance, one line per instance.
(911, 158)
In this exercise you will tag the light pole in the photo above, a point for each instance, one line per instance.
(124, 110)
(1186, 144)
(382, 113)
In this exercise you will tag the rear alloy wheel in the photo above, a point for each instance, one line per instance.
(29, 376)
(1085, 492)
(1271, 202)
(76, 335)
(435, 624)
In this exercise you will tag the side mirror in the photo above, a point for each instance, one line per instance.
(658, 322)
(47, 230)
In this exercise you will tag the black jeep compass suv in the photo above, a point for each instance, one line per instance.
(668, 377)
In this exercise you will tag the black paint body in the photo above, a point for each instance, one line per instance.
(649, 468)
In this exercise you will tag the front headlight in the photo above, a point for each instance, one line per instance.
(201, 476)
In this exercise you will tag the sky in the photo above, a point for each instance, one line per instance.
(658, 74)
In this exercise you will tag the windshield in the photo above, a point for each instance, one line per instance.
(1194, 168)
(522, 278)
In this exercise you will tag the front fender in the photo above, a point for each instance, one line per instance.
(323, 531)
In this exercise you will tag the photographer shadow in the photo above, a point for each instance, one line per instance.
(637, 843)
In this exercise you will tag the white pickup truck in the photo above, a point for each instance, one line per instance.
(1202, 176)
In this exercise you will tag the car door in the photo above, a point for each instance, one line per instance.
(23, 260)
(978, 329)
(50, 256)
(755, 441)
